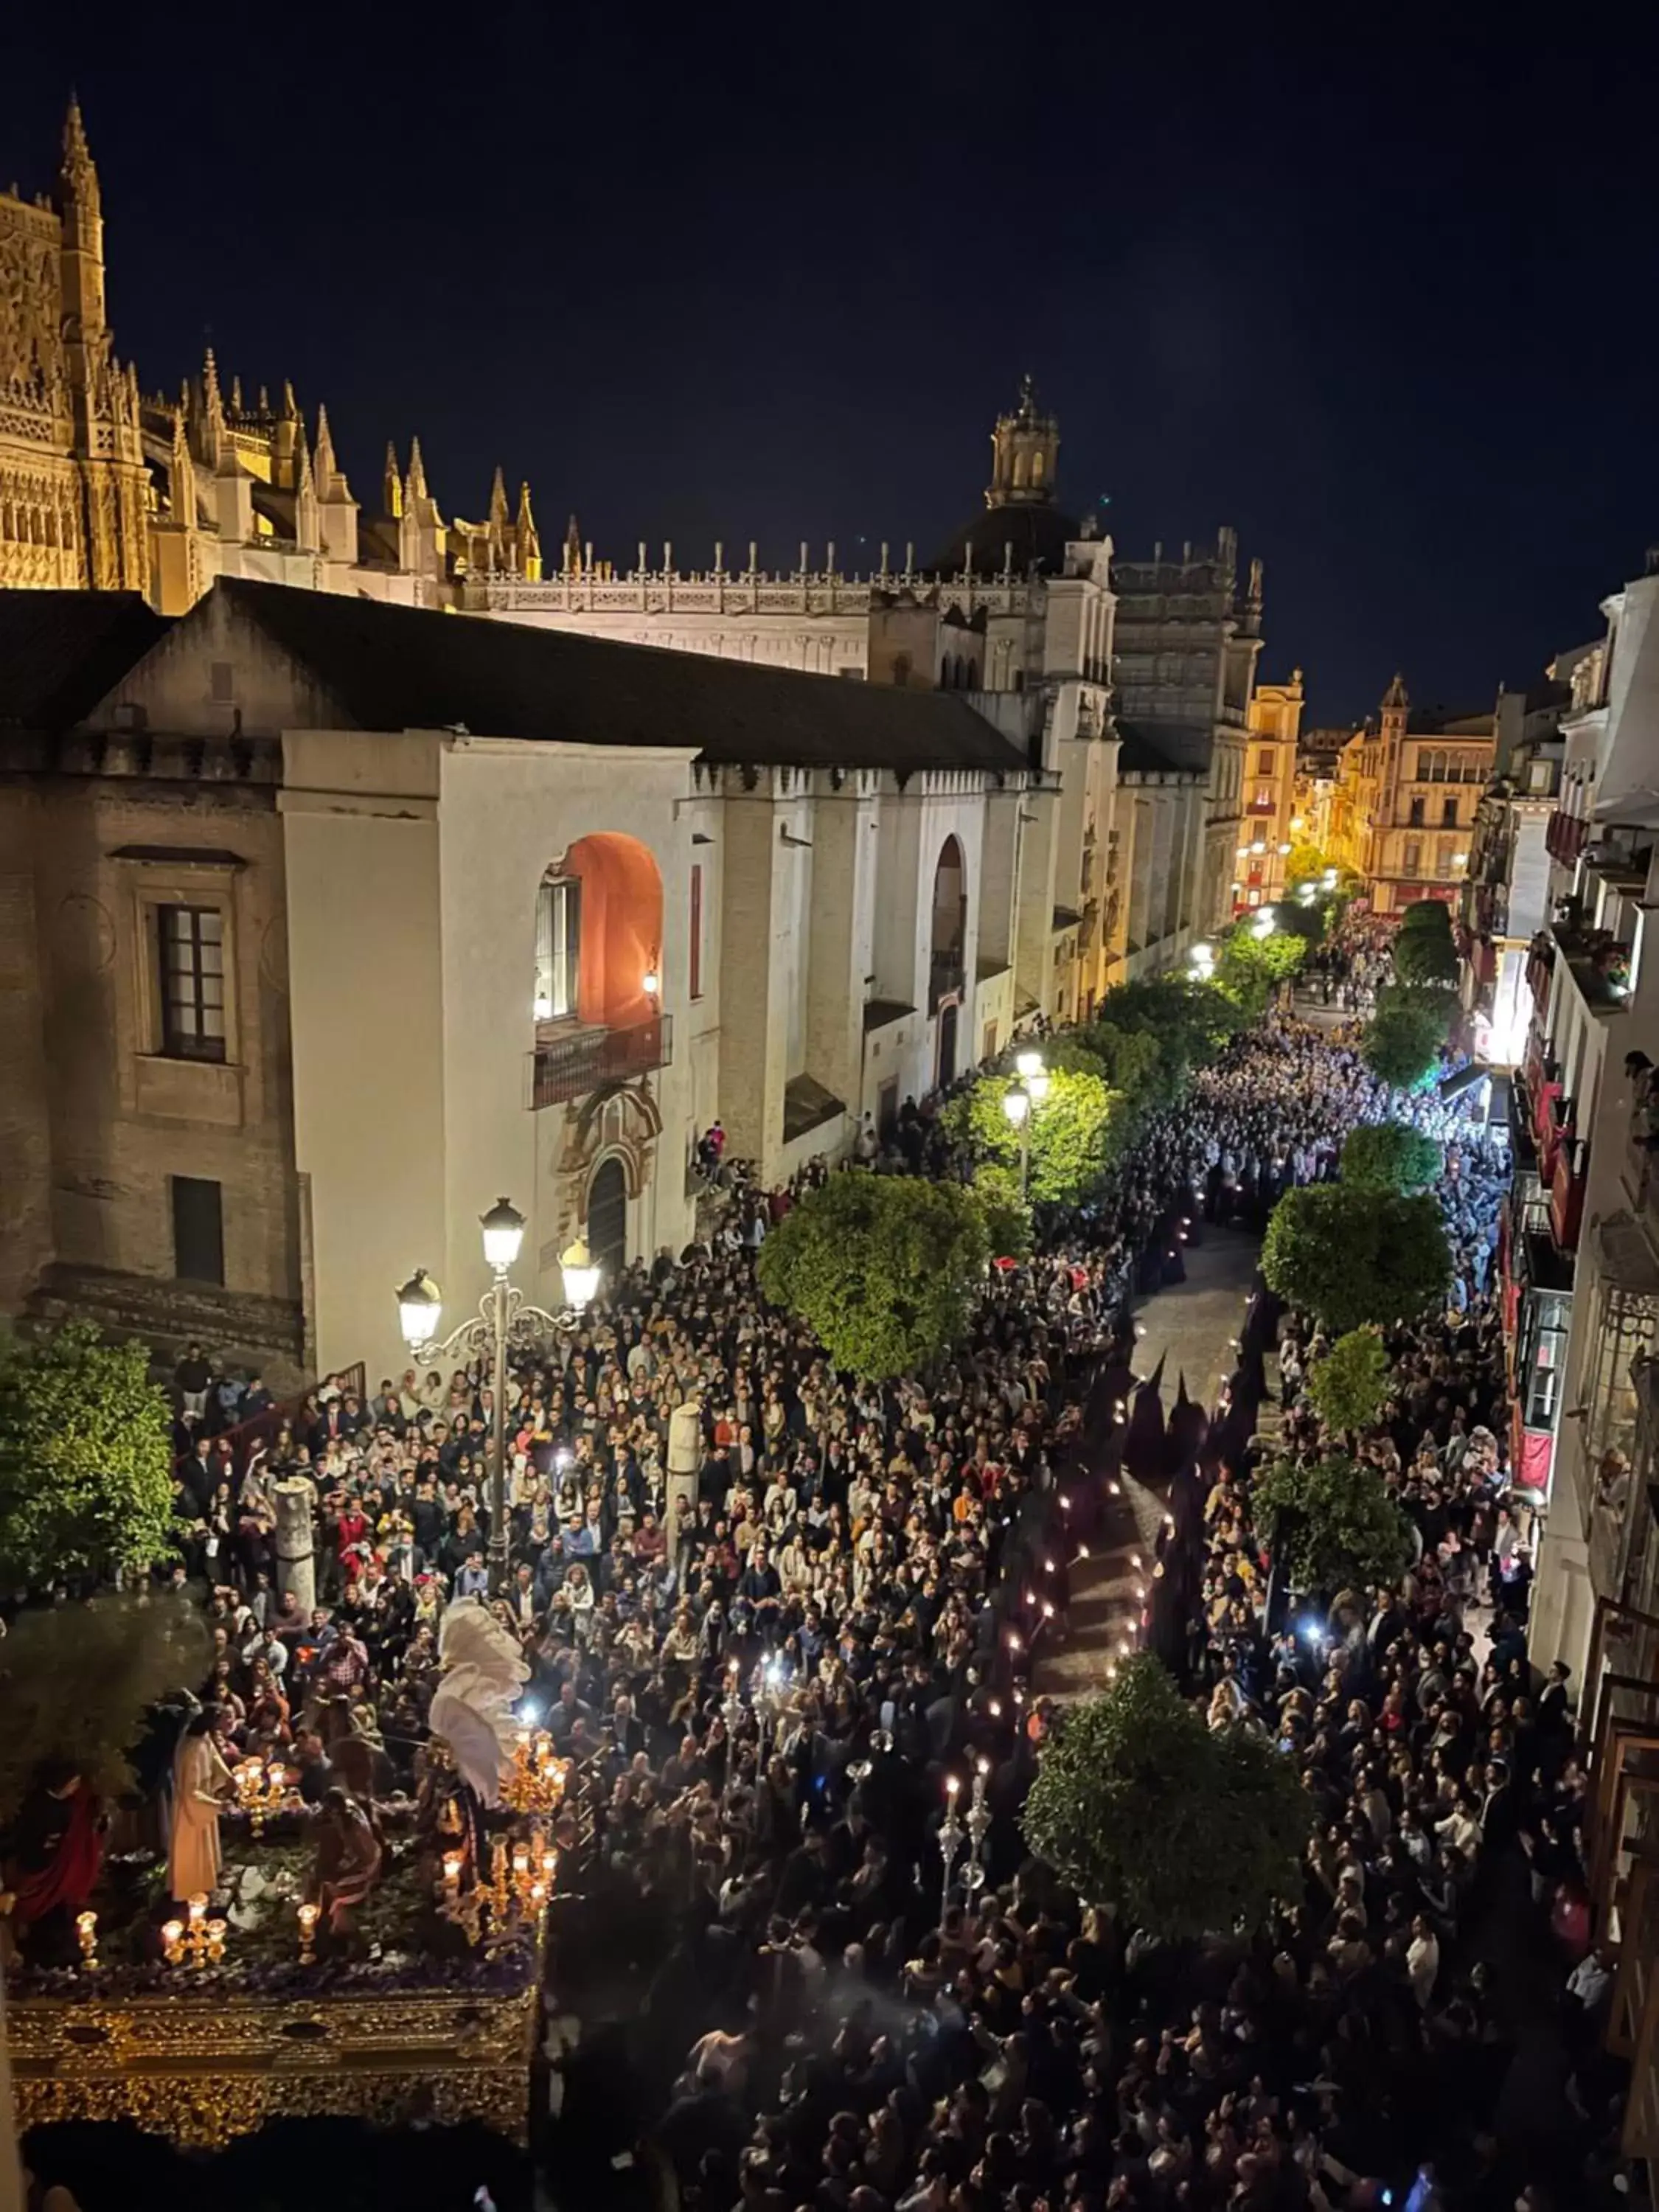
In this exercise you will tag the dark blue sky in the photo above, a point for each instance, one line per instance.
(1383, 297)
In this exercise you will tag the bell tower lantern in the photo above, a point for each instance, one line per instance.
(1024, 447)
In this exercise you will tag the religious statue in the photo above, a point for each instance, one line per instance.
(348, 1861)
(49, 1863)
(201, 1781)
(484, 1671)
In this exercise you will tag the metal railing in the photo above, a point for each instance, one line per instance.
(945, 974)
(569, 1065)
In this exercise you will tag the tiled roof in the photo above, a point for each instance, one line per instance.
(398, 668)
(61, 651)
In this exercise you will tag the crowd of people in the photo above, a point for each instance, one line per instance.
(769, 1718)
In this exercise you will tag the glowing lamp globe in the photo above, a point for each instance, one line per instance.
(420, 1308)
(503, 1233)
(582, 1274)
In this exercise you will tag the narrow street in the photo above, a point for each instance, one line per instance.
(1189, 1327)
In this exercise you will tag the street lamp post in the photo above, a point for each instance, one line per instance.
(1017, 1105)
(1020, 1103)
(503, 1314)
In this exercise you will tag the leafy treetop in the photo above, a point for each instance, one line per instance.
(1333, 1522)
(1424, 956)
(883, 1269)
(86, 1460)
(1075, 1135)
(1250, 968)
(1402, 1041)
(1347, 1387)
(1391, 1156)
(1349, 1254)
(1138, 1804)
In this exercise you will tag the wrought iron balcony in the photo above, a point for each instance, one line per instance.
(945, 976)
(1564, 836)
(568, 1062)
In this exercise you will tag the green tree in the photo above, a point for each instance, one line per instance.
(1431, 915)
(1333, 1522)
(1007, 1217)
(1188, 1021)
(1403, 1041)
(1138, 1804)
(1347, 1387)
(75, 1681)
(1130, 1061)
(1075, 1133)
(86, 1459)
(1292, 918)
(1306, 863)
(1423, 956)
(1075, 1054)
(883, 1269)
(1251, 968)
(1391, 1156)
(1349, 1254)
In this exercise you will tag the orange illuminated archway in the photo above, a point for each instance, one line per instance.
(620, 928)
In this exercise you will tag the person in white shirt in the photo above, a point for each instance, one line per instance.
(1423, 1960)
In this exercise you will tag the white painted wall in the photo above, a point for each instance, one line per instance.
(507, 810)
(366, 1015)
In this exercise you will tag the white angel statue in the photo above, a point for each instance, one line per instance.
(472, 1706)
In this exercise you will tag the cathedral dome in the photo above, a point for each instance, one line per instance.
(1019, 528)
(1038, 534)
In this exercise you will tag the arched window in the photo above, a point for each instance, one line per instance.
(598, 934)
(1036, 467)
(949, 922)
(558, 946)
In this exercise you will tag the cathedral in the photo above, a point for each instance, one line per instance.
(74, 494)
(105, 488)
(258, 782)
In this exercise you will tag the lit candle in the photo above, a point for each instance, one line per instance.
(309, 1915)
(199, 1905)
(952, 1785)
(172, 1937)
(453, 1861)
(86, 1927)
(550, 1865)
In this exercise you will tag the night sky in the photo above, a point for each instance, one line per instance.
(1383, 299)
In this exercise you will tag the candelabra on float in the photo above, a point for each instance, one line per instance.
(196, 1941)
(261, 1789)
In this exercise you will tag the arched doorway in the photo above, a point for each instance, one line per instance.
(950, 923)
(947, 1044)
(607, 1220)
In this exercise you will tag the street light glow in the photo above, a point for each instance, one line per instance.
(582, 1275)
(503, 1233)
(420, 1308)
(1016, 1104)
